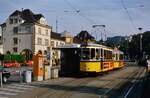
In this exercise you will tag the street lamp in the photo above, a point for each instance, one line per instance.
(98, 26)
(141, 36)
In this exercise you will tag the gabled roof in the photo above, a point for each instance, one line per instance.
(3, 25)
(27, 15)
(15, 13)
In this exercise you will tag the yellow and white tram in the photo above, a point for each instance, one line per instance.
(95, 58)
(91, 58)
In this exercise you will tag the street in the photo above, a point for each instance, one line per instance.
(119, 83)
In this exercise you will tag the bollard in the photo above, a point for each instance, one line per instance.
(1, 76)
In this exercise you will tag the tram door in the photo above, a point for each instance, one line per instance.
(70, 61)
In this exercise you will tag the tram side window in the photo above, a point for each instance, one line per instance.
(101, 53)
(93, 54)
(113, 56)
(98, 54)
(85, 54)
(108, 54)
(121, 57)
(117, 57)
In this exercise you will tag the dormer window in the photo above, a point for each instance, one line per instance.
(10, 21)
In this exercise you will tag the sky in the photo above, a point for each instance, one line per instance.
(120, 17)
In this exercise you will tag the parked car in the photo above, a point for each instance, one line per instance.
(5, 74)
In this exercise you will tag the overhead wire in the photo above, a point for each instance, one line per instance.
(128, 14)
(91, 22)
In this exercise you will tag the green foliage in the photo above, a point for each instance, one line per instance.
(134, 45)
(14, 58)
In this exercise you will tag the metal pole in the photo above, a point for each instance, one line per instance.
(56, 24)
(1, 76)
(141, 43)
(140, 29)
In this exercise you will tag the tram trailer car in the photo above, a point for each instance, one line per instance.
(118, 57)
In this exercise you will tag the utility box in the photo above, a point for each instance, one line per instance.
(28, 76)
(38, 67)
(47, 72)
(54, 72)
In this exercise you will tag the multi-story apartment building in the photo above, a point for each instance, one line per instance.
(25, 30)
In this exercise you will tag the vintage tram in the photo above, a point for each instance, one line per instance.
(90, 58)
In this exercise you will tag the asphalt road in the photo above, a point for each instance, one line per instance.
(122, 83)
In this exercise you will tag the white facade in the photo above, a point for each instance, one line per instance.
(55, 43)
(44, 36)
(19, 35)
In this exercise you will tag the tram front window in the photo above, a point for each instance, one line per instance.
(85, 54)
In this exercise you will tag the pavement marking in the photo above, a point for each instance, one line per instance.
(3, 97)
(11, 90)
(7, 93)
(23, 85)
(16, 87)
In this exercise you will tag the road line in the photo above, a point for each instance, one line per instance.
(7, 93)
(23, 85)
(15, 87)
(128, 92)
(3, 97)
(11, 90)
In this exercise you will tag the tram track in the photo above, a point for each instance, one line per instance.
(77, 83)
(97, 87)
(121, 85)
(71, 85)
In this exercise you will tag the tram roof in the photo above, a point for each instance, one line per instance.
(91, 45)
(70, 46)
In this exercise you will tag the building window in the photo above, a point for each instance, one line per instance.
(46, 42)
(61, 43)
(15, 49)
(39, 41)
(15, 41)
(19, 20)
(16, 20)
(10, 21)
(52, 43)
(15, 30)
(39, 30)
(56, 43)
(28, 29)
(46, 31)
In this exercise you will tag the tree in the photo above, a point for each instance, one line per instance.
(27, 53)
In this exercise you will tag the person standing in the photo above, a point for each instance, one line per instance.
(148, 64)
